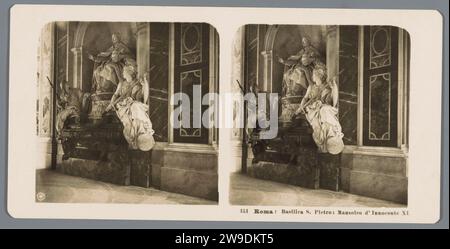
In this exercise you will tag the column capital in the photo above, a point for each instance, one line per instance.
(141, 26)
(331, 30)
(267, 53)
(77, 50)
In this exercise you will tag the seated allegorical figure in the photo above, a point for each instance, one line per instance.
(320, 108)
(129, 103)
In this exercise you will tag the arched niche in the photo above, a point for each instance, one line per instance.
(93, 38)
(284, 41)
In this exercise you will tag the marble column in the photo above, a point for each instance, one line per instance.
(77, 66)
(268, 60)
(332, 55)
(143, 48)
(237, 75)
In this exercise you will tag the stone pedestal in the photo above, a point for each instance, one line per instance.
(99, 102)
(289, 105)
(293, 158)
(99, 153)
(191, 173)
(304, 173)
(116, 170)
(289, 158)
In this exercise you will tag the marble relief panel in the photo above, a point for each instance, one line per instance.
(45, 72)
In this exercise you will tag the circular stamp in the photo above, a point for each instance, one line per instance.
(40, 196)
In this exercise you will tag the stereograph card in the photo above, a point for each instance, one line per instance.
(227, 114)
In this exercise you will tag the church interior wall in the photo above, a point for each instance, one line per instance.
(373, 171)
(175, 170)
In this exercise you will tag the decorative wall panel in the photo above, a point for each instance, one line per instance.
(188, 80)
(45, 72)
(380, 46)
(191, 68)
(191, 43)
(380, 86)
(379, 106)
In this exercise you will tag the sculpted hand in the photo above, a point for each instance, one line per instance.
(91, 57)
(144, 79)
(333, 82)
(300, 110)
(109, 107)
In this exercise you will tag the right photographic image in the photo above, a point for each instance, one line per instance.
(323, 118)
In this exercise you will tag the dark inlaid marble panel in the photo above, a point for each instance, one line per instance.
(329, 166)
(348, 81)
(159, 79)
(141, 168)
(380, 86)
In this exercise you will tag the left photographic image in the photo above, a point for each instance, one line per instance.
(110, 97)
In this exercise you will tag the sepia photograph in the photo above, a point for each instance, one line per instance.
(340, 118)
(223, 114)
(103, 108)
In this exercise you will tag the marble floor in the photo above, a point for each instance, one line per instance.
(245, 190)
(55, 187)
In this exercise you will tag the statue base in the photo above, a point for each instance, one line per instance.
(102, 153)
(289, 105)
(293, 158)
(99, 102)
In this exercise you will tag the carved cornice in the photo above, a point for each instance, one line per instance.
(76, 50)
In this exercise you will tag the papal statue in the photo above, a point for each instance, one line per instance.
(305, 71)
(108, 68)
(109, 65)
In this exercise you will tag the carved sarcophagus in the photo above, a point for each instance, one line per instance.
(292, 157)
(91, 142)
(100, 152)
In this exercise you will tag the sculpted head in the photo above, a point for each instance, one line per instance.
(307, 59)
(319, 74)
(65, 86)
(115, 37)
(305, 42)
(129, 73)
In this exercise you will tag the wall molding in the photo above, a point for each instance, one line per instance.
(376, 151)
(192, 148)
